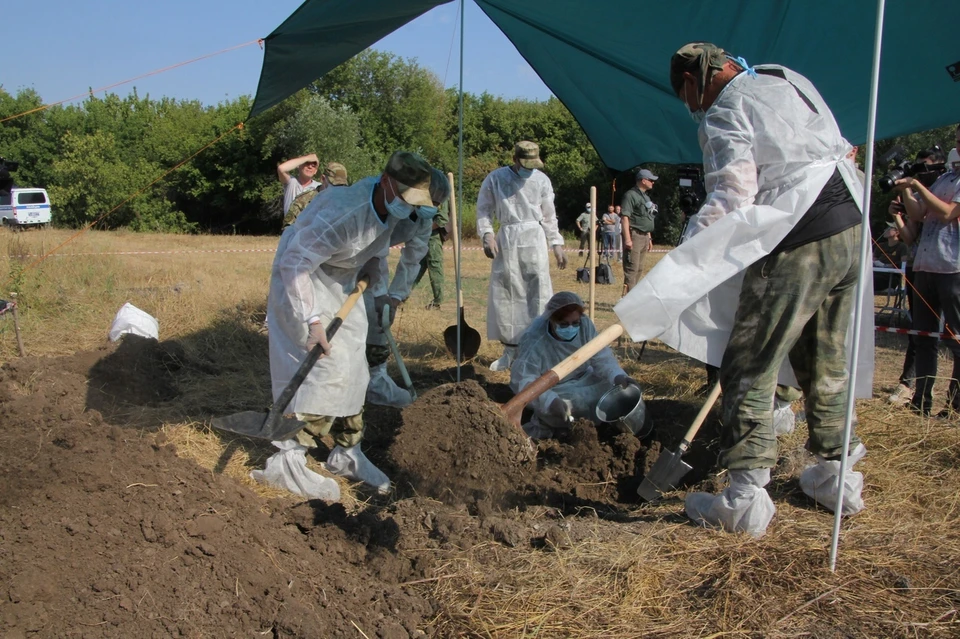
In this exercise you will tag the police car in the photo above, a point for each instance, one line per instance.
(23, 207)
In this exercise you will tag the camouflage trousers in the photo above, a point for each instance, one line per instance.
(433, 261)
(794, 304)
(346, 431)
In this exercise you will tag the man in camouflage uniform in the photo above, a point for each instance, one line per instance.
(335, 174)
(433, 260)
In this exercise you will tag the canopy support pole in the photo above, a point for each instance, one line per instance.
(864, 261)
(459, 230)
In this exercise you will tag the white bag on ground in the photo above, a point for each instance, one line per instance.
(784, 419)
(743, 506)
(132, 320)
(288, 470)
(820, 483)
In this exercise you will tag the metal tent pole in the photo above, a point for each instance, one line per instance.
(864, 261)
(459, 229)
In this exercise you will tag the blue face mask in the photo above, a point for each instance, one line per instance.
(524, 173)
(428, 212)
(566, 333)
(397, 207)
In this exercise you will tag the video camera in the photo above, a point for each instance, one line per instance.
(925, 173)
(692, 189)
(6, 168)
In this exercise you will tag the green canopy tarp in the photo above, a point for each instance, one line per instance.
(608, 61)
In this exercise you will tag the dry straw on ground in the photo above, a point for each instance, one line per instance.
(633, 572)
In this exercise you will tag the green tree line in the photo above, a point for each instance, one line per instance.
(93, 156)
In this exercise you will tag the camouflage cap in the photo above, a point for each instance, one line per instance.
(563, 300)
(528, 154)
(336, 173)
(698, 58)
(412, 174)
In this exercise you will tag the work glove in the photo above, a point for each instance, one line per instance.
(559, 408)
(561, 256)
(386, 303)
(490, 248)
(624, 380)
(370, 268)
(316, 334)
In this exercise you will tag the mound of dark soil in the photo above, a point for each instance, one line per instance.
(454, 444)
(105, 532)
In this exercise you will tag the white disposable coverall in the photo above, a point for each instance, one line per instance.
(539, 351)
(520, 274)
(765, 163)
(315, 269)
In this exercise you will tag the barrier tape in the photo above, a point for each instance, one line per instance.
(907, 331)
(263, 250)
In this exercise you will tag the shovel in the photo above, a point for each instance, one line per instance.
(669, 467)
(385, 325)
(274, 426)
(466, 341)
(513, 410)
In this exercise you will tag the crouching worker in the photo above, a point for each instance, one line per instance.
(552, 337)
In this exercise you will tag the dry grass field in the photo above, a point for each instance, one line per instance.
(645, 572)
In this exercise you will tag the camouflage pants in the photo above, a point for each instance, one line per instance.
(433, 261)
(346, 431)
(377, 354)
(794, 304)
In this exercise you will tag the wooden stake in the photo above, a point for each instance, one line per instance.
(16, 325)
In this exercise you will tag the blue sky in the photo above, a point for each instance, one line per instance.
(73, 46)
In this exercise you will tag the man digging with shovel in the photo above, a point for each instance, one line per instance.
(319, 259)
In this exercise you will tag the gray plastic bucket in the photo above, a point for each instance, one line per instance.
(624, 407)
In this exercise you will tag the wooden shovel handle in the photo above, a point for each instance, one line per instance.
(552, 377)
(701, 417)
(454, 227)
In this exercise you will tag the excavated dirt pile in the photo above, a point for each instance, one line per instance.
(105, 532)
(455, 445)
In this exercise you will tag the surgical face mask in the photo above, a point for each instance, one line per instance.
(567, 333)
(524, 173)
(698, 115)
(427, 211)
(397, 207)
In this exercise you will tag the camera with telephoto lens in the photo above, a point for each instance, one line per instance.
(6, 168)
(692, 190)
(924, 173)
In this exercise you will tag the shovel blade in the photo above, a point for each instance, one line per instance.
(253, 424)
(666, 473)
(469, 339)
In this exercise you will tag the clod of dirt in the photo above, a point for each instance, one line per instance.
(455, 445)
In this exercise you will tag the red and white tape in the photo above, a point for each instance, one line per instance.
(907, 331)
(263, 250)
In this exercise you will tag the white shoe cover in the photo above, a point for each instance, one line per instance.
(504, 363)
(383, 391)
(784, 419)
(743, 506)
(820, 482)
(288, 470)
(353, 464)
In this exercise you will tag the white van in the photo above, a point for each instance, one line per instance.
(25, 207)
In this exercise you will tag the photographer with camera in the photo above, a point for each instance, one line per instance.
(936, 269)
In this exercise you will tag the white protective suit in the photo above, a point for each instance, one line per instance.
(520, 274)
(765, 163)
(314, 271)
(539, 351)
(414, 236)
